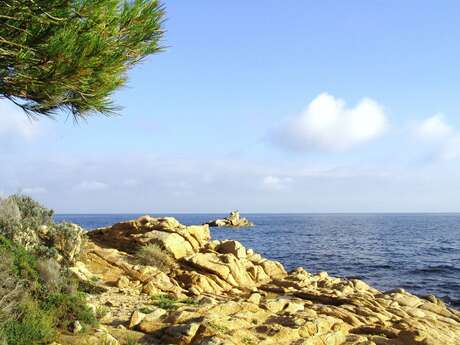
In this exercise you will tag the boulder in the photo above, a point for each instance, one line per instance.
(136, 318)
(177, 239)
(232, 247)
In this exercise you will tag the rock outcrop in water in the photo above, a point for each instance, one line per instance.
(232, 220)
(221, 293)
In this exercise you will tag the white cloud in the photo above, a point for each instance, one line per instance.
(434, 128)
(91, 186)
(444, 139)
(14, 122)
(328, 124)
(275, 183)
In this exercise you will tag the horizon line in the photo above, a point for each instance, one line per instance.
(262, 213)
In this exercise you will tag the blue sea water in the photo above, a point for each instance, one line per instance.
(418, 252)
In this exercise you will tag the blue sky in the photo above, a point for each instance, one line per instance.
(264, 106)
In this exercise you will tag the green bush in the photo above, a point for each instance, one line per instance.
(68, 308)
(26, 222)
(23, 263)
(31, 210)
(20, 219)
(154, 255)
(37, 294)
(33, 327)
(39, 297)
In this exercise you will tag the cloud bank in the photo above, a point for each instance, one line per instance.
(328, 124)
(443, 138)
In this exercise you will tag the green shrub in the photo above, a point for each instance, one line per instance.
(68, 308)
(29, 224)
(21, 218)
(154, 255)
(37, 297)
(31, 210)
(24, 264)
(34, 326)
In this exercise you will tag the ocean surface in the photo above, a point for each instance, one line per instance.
(418, 252)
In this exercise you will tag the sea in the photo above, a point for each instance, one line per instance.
(417, 252)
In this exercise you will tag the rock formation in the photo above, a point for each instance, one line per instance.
(232, 220)
(221, 293)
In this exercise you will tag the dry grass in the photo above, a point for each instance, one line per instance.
(154, 255)
(50, 273)
(11, 289)
(9, 210)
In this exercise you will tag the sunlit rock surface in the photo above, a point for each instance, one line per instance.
(221, 293)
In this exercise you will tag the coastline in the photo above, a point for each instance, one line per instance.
(249, 298)
(388, 257)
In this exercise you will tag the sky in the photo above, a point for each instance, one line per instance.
(264, 106)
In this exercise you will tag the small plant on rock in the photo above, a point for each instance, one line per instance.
(248, 341)
(217, 327)
(154, 255)
(101, 311)
(165, 302)
(146, 310)
(189, 301)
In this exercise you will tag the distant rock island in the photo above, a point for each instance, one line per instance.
(232, 220)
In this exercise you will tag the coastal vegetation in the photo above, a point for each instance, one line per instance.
(38, 295)
(102, 288)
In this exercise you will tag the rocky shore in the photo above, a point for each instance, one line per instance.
(221, 293)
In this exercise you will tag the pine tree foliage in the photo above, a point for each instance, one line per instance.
(71, 55)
